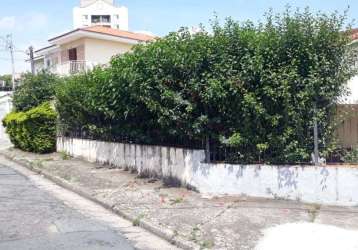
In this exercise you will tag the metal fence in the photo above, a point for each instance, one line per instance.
(346, 134)
(5, 88)
(347, 125)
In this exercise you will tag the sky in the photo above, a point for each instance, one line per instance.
(33, 22)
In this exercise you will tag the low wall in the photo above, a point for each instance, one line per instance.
(5, 108)
(325, 185)
(172, 164)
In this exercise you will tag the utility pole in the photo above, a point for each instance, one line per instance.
(315, 136)
(10, 47)
(31, 54)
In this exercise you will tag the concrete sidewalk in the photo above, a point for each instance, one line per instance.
(179, 215)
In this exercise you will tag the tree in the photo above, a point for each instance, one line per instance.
(7, 79)
(34, 90)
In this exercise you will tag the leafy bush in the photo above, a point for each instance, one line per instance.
(33, 130)
(33, 90)
(7, 79)
(252, 87)
(350, 156)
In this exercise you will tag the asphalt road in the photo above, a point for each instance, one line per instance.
(32, 218)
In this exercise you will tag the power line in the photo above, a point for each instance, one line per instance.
(9, 59)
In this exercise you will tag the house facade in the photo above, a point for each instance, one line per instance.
(84, 48)
(100, 32)
(100, 12)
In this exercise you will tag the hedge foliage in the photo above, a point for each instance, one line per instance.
(33, 130)
(34, 90)
(249, 87)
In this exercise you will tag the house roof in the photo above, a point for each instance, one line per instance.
(354, 34)
(101, 30)
(45, 48)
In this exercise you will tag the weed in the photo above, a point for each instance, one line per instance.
(313, 212)
(64, 156)
(206, 244)
(194, 233)
(176, 201)
(136, 222)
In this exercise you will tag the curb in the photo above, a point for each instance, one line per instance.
(160, 232)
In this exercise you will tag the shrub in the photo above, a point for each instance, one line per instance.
(252, 87)
(33, 90)
(33, 130)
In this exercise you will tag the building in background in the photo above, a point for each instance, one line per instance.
(100, 12)
(101, 32)
(352, 85)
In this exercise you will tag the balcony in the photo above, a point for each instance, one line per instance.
(72, 67)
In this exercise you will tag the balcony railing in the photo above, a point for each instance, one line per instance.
(72, 67)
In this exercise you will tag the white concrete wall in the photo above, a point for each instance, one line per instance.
(163, 162)
(119, 15)
(324, 185)
(5, 108)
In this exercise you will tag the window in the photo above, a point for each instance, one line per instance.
(101, 19)
(72, 54)
(85, 17)
(117, 17)
(117, 26)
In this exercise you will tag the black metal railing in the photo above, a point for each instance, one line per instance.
(5, 88)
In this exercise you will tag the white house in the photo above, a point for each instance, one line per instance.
(100, 12)
(100, 32)
(83, 48)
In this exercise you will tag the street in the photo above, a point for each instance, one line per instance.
(36, 214)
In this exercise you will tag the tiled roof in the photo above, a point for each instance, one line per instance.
(112, 32)
(119, 33)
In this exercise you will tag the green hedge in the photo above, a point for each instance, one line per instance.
(33, 130)
(250, 87)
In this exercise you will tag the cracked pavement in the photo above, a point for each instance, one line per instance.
(30, 218)
(37, 214)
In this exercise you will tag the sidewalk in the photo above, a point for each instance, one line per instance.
(182, 216)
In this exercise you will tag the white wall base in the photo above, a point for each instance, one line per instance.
(324, 185)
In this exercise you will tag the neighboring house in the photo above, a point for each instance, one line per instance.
(352, 98)
(101, 32)
(82, 49)
(100, 12)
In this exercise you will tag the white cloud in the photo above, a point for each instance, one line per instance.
(7, 22)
